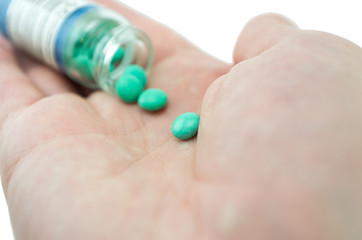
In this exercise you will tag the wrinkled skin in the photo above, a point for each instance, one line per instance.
(278, 155)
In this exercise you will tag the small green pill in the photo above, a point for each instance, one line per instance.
(84, 66)
(129, 88)
(117, 58)
(152, 99)
(186, 126)
(138, 72)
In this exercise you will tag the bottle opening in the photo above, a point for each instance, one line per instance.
(126, 46)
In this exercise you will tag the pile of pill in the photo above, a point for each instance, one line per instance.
(80, 50)
(130, 88)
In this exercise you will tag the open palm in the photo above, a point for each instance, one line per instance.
(96, 168)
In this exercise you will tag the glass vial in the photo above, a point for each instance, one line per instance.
(91, 44)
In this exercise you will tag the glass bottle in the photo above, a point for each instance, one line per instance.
(90, 43)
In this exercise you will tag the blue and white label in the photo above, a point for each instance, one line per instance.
(34, 25)
(4, 6)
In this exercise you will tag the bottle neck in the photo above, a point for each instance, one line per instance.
(121, 47)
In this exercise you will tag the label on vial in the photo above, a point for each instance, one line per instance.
(33, 25)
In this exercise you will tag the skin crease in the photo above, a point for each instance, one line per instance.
(278, 155)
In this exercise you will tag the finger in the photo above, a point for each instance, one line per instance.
(262, 33)
(165, 41)
(47, 80)
(16, 90)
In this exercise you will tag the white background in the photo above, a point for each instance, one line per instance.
(215, 25)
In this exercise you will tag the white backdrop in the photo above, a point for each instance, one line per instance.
(215, 25)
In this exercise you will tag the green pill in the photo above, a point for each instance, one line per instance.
(186, 126)
(84, 66)
(117, 58)
(152, 99)
(129, 88)
(138, 72)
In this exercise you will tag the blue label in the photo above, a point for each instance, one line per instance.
(63, 34)
(4, 6)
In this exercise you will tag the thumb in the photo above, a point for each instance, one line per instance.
(262, 33)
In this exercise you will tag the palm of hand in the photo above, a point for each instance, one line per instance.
(95, 168)
(105, 162)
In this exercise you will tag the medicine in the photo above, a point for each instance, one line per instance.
(138, 72)
(186, 126)
(153, 99)
(117, 58)
(129, 88)
(90, 43)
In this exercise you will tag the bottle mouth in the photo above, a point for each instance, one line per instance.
(126, 46)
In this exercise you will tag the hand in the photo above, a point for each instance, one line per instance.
(278, 154)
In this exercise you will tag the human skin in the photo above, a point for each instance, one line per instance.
(278, 155)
